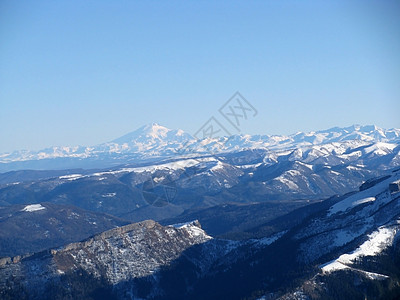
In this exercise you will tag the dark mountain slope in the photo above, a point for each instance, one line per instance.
(32, 228)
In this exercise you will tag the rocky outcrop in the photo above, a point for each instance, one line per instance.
(134, 250)
(394, 186)
(120, 254)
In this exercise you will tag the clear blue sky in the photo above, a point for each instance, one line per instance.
(86, 72)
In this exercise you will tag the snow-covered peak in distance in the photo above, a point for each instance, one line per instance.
(344, 138)
(152, 132)
(154, 141)
(368, 133)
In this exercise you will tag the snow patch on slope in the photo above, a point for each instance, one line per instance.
(71, 177)
(269, 240)
(192, 228)
(33, 207)
(376, 243)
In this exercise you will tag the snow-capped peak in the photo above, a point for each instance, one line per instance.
(155, 130)
(149, 131)
(153, 135)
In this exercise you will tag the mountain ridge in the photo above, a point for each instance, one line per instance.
(153, 141)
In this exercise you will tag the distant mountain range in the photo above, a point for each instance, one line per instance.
(154, 142)
(163, 183)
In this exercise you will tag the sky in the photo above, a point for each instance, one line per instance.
(87, 72)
